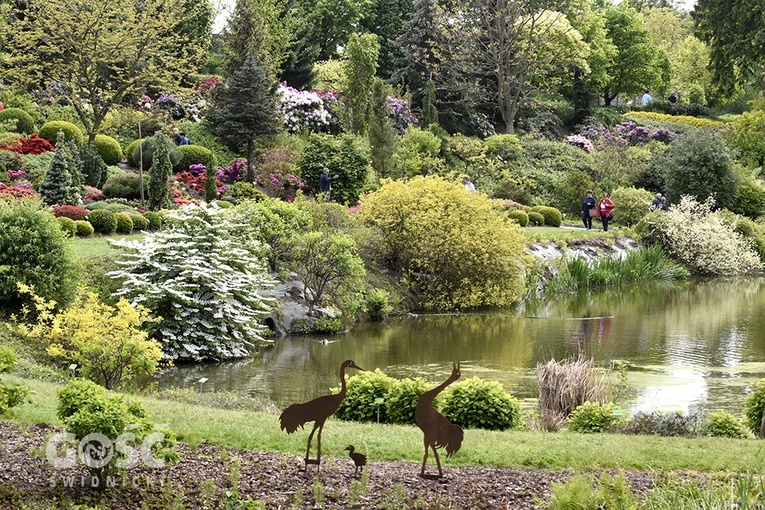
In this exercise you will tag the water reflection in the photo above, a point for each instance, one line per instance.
(687, 345)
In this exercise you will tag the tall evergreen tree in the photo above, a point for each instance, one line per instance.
(247, 109)
(160, 172)
(429, 111)
(360, 67)
(382, 135)
(387, 21)
(58, 187)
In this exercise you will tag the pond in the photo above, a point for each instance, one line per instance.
(695, 345)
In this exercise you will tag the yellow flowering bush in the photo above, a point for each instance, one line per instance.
(678, 119)
(452, 248)
(106, 342)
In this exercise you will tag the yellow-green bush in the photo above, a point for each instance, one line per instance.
(520, 217)
(108, 148)
(50, 130)
(124, 223)
(552, 216)
(84, 228)
(679, 119)
(20, 120)
(632, 204)
(478, 404)
(452, 248)
(67, 226)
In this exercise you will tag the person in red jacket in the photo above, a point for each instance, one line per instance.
(605, 210)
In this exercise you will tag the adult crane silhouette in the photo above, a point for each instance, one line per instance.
(317, 411)
(439, 433)
(359, 459)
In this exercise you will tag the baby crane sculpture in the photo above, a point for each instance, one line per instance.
(439, 433)
(317, 411)
(359, 459)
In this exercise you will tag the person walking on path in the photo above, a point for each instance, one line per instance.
(588, 209)
(605, 210)
(325, 182)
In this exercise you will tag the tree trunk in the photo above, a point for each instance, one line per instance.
(250, 156)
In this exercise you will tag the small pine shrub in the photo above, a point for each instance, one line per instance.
(154, 219)
(402, 400)
(535, 219)
(50, 130)
(478, 404)
(754, 407)
(552, 216)
(23, 121)
(724, 424)
(139, 221)
(193, 155)
(103, 221)
(67, 226)
(593, 417)
(124, 223)
(518, 216)
(124, 185)
(365, 399)
(108, 148)
(117, 207)
(84, 228)
(70, 211)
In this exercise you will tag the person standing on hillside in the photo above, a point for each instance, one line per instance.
(325, 182)
(588, 209)
(647, 98)
(605, 210)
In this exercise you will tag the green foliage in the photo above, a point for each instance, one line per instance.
(124, 185)
(12, 395)
(699, 164)
(8, 359)
(506, 147)
(211, 184)
(103, 221)
(94, 170)
(21, 120)
(568, 193)
(203, 134)
(159, 196)
(378, 304)
(108, 148)
(594, 417)
(50, 130)
(360, 58)
(751, 197)
(402, 398)
(327, 216)
(418, 154)
(131, 153)
(139, 221)
(478, 404)
(520, 217)
(453, 248)
(60, 185)
(633, 204)
(243, 191)
(124, 223)
(754, 407)
(154, 219)
(383, 139)
(748, 136)
(724, 424)
(67, 226)
(752, 232)
(192, 155)
(84, 228)
(344, 155)
(582, 492)
(552, 216)
(629, 166)
(145, 149)
(33, 251)
(535, 219)
(365, 399)
(671, 424)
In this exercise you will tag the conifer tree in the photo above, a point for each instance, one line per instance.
(160, 172)
(429, 112)
(58, 187)
(382, 135)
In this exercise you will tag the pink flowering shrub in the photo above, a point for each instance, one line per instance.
(18, 191)
(233, 172)
(303, 110)
(400, 113)
(17, 174)
(581, 142)
(275, 174)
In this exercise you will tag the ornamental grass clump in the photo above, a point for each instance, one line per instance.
(204, 275)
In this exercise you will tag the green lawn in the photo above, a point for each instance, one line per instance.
(519, 449)
(567, 233)
(96, 246)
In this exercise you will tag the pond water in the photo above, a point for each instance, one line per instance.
(688, 346)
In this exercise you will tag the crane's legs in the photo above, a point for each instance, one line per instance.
(317, 460)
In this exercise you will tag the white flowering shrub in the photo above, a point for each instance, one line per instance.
(701, 240)
(302, 110)
(203, 276)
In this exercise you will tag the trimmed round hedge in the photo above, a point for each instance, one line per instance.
(518, 216)
(479, 404)
(108, 148)
(67, 226)
(124, 223)
(139, 221)
(194, 155)
(154, 219)
(131, 154)
(535, 219)
(24, 122)
(365, 399)
(84, 228)
(103, 221)
(50, 130)
(552, 216)
(123, 185)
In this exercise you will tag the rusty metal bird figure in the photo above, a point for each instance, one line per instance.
(359, 459)
(439, 433)
(317, 411)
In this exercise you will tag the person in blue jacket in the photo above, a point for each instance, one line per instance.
(588, 204)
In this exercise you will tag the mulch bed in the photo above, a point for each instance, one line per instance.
(204, 475)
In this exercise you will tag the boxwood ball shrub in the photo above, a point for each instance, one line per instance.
(139, 221)
(131, 153)
(193, 155)
(124, 185)
(124, 223)
(518, 216)
(33, 251)
(108, 148)
(154, 219)
(552, 216)
(478, 404)
(365, 397)
(103, 221)
(50, 130)
(535, 219)
(67, 226)
(24, 122)
(84, 228)
(402, 400)
(593, 417)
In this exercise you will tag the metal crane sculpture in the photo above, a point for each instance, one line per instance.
(317, 411)
(359, 459)
(439, 433)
